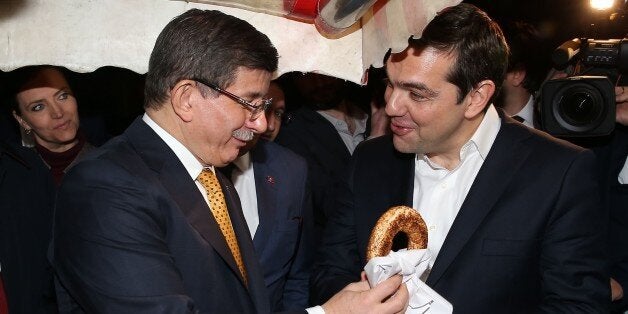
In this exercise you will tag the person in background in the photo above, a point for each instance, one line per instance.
(276, 112)
(613, 165)
(271, 181)
(145, 224)
(325, 130)
(43, 104)
(513, 215)
(527, 67)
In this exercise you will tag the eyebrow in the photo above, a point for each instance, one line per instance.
(64, 89)
(419, 87)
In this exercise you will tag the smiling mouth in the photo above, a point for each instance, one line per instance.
(62, 125)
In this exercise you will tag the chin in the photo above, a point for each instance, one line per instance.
(402, 146)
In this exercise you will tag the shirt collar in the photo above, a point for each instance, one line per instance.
(341, 125)
(527, 112)
(191, 164)
(486, 133)
(481, 140)
(243, 162)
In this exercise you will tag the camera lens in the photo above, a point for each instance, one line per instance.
(579, 108)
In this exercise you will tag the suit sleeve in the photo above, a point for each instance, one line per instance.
(338, 261)
(573, 261)
(109, 244)
(296, 291)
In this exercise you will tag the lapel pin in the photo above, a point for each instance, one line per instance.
(270, 180)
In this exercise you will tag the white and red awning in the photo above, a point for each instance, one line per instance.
(310, 35)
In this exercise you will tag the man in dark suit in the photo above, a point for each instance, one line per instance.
(512, 213)
(144, 224)
(613, 161)
(324, 131)
(272, 184)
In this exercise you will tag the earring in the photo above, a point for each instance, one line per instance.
(28, 131)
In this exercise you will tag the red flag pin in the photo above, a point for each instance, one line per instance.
(270, 180)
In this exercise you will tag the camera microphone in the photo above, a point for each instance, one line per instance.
(563, 54)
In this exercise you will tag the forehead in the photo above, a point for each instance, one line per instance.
(419, 65)
(250, 82)
(48, 77)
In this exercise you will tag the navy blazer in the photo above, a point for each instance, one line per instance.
(133, 234)
(611, 158)
(283, 240)
(529, 237)
(313, 137)
(26, 205)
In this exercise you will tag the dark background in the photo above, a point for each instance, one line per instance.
(560, 20)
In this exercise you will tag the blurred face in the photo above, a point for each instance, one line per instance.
(275, 113)
(422, 104)
(220, 126)
(48, 109)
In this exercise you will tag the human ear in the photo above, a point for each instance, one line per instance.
(181, 99)
(479, 98)
(21, 121)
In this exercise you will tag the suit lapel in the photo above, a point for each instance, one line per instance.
(256, 285)
(504, 159)
(175, 179)
(267, 195)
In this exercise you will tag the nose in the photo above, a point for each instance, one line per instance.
(56, 111)
(393, 106)
(271, 122)
(258, 125)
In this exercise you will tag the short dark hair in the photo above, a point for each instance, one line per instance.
(205, 44)
(527, 52)
(476, 42)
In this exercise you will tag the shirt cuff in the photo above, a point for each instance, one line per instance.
(315, 310)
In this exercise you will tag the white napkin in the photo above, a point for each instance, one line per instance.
(411, 264)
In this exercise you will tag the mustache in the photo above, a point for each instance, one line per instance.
(243, 135)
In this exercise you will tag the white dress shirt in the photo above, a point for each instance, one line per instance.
(243, 178)
(439, 193)
(351, 140)
(623, 174)
(527, 113)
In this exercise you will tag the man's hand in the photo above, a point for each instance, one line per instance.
(621, 97)
(390, 296)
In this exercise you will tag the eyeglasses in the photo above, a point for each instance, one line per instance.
(255, 108)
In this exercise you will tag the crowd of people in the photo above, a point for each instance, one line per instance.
(236, 193)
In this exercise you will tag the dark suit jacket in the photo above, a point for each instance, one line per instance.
(283, 240)
(611, 158)
(133, 234)
(529, 236)
(26, 206)
(310, 135)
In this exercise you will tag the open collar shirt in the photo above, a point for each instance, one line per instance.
(438, 192)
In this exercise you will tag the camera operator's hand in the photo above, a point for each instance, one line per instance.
(621, 97)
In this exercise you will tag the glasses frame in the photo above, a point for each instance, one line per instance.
(256, 111)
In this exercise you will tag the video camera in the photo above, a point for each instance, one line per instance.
(583, 103)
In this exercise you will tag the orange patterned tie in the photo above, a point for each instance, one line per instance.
(219, 209)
